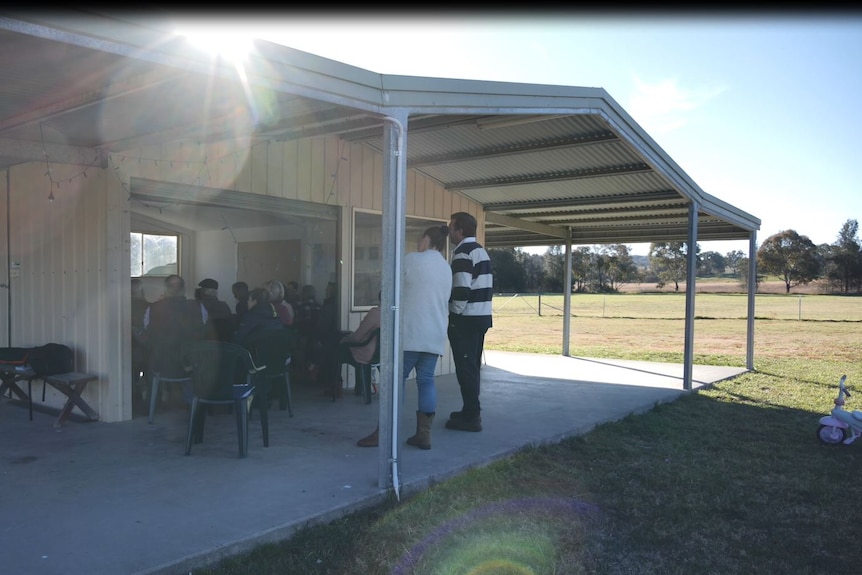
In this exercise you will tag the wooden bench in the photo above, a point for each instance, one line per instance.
(72, 385)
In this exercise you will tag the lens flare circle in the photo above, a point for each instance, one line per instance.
(501, 567)
(489, 540)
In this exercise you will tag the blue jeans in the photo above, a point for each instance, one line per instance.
(424, 363)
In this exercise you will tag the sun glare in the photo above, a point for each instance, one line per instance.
(224, 42)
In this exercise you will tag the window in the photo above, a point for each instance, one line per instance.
(154, 255)
(367, 258)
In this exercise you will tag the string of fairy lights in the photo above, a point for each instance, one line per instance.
(49, 171)
(116, 161)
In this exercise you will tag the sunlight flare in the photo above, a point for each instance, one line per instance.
(226, 42)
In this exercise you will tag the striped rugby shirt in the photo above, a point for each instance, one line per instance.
(472, 286)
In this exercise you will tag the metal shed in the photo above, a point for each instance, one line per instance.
(550, 165)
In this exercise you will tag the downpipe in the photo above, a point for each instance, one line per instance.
(396, 358)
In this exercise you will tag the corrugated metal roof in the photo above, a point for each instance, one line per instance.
(544, 161)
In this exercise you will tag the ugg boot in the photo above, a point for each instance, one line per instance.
(422, 438)
(369, 440)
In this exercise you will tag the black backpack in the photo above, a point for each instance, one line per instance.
(51, 359)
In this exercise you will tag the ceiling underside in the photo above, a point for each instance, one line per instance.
(78, 97)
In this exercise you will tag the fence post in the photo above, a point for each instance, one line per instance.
(800, 308)
(540, 304)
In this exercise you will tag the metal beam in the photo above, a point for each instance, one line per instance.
(80, 101)
(500, 219)
(514, 149)
(26, 151)
(628, 199)
(417, 125)
(564, 176)
(177, 193)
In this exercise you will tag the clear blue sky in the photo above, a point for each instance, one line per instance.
(761, 111)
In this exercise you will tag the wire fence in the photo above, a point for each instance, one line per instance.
(672, 306)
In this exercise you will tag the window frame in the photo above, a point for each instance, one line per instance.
(364, 298)
(140, 267)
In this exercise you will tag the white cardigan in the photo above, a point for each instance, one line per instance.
(425, 301)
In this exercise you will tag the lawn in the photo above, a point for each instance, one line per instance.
(730, 479)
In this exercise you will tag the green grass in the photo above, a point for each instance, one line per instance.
(670, 305)
(727, 480)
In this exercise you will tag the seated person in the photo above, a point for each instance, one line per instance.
(220, 324)
(291, 295)
(169, 324)
(276, 298)
(259, 327)
(240, 294)
(261, 316)
(325, 335)
(305, 321)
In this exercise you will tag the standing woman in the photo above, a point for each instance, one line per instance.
(426, 287)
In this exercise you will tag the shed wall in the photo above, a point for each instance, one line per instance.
(69, 258)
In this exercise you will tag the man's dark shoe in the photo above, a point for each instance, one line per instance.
(460, 423)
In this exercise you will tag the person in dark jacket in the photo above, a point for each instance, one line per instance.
(170, 324)
(173, 315)
(261, 316)
(240, 294)
(305, 322)
(139, 342)
(326, 339)
(220, 322)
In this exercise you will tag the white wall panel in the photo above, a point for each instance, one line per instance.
(73, 280)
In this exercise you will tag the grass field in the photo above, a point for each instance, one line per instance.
(669, 305)
(653, 326)
(730, 479)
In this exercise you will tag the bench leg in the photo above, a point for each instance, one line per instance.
(73, 393)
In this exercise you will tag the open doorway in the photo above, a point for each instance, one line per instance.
(233, 236)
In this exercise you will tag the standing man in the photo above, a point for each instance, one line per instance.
(469, 316)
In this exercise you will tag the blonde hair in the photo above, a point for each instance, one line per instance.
(276, 291)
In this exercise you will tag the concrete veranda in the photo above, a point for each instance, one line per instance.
(121, 498)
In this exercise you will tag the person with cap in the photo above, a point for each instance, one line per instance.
(220, 322)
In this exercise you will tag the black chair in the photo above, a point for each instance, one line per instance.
(222, 373)
(363, 370)
(274, 349)
(221, 328)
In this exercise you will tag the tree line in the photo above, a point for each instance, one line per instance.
(787, 255)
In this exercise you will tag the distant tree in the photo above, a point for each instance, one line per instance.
(508, 271)
(582, 263)
(844, 258)
(555, 265)
(711, 264)
(731, 262)
(668, 261)
(534, 270)
(740, 269)
(618, 267)
(791, 257)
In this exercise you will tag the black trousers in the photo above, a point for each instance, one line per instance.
(467, 347)
(332, 356)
